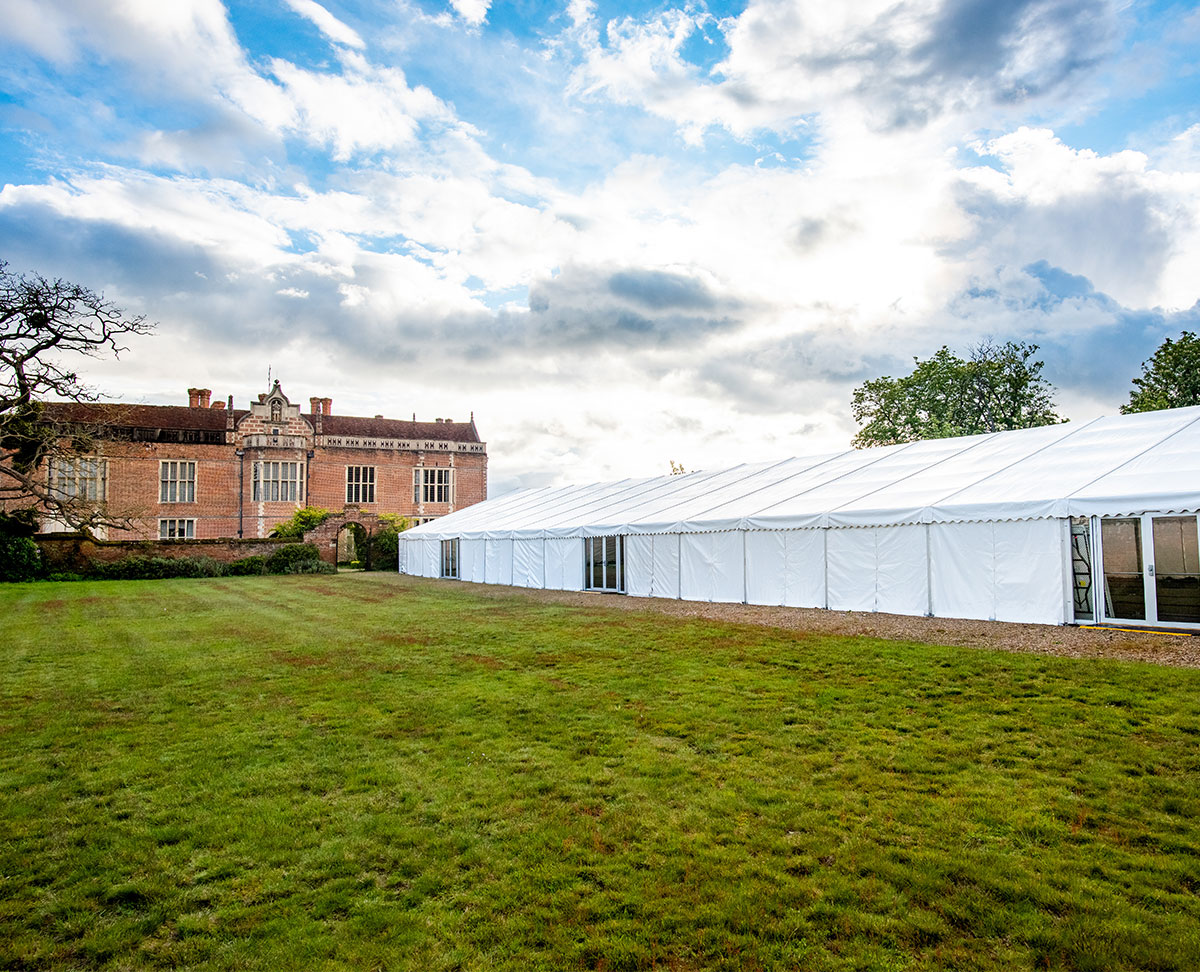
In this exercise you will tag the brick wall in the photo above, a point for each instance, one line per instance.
(133, 486)
(71, 552)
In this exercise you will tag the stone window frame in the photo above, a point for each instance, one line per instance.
(177, 528)
(78, 478)
(432, 482)
(177, 481)
(360, 484)
(277, 481)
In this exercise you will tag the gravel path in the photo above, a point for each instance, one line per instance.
(1150, 646)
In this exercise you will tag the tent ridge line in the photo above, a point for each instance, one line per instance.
(799, 472)
(1016, 462)
(1153, 445)
(866, 465)
(937, 462)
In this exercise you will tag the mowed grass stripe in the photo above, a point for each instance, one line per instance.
(367, 771)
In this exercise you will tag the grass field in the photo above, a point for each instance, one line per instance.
(369, 772)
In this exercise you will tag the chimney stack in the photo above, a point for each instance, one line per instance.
(326, 406)
(314, 406)
(218, 404)
(193, 398)
(205, 395)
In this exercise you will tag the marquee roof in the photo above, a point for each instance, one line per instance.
(1115, 465)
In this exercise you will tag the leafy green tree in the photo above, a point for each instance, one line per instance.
(998, 387)
(1170, 377)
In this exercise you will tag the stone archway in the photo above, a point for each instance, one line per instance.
(326, 535)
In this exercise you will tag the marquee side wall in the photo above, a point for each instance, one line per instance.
(1011, 570)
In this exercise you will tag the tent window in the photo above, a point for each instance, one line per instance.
(1081, 568)
(604, 567)
(450, 558)
(1124, 591)
(1177, 573)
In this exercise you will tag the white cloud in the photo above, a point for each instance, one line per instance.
(327, 23)
(474, 12)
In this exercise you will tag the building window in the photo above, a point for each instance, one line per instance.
(278, 482)
(433, 485)
(604, 567)
(176, 529)
(81, 478)
(450, 558)
(176, 482)
(360, 484)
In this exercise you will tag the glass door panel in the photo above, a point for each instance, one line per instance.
(1177, 571)
(1124, 587)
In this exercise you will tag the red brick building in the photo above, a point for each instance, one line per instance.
(209, 470)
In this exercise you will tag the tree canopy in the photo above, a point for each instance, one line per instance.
(44, 324)
(998, 387)
(1170, 377)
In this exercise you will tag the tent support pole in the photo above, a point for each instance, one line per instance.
(928, 571)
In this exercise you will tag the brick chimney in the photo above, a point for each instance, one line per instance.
(326, 406)
(193, 398)
(205, 395)
(218, 404)
(314, 406)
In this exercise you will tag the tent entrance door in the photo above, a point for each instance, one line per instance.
(1151, 569)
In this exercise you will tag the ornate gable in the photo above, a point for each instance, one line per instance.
(275, 421)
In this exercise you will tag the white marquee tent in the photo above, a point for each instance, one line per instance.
(1056, 524)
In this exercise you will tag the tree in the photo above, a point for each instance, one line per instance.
(998, 387)
(1170, 378)
(43, 325)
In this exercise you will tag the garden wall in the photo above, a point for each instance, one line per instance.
(73, 552)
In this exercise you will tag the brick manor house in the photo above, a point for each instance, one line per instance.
(209, 470)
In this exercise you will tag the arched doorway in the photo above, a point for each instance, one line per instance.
(353, 546)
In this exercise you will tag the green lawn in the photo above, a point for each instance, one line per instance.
(365, 771)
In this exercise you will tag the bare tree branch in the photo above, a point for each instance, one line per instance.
(43, 324)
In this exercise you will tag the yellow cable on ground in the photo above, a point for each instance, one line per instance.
(1105, 627)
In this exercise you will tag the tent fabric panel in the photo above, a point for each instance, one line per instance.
(962, 564)
(1029, 566)
(528, 563)
(564, 563)
(498, 562)
(766, 555)
(470, 560)
(431, 558)
(851, 569)
(639, 565)
(711, 567)
(804, 568)
(902, 570)
(665, 578)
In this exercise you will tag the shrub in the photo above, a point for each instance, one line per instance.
(157, 568)
(64, 576)
(248, 566)
(385, 544)
(294, 558)
(301, 522)
(20, 559)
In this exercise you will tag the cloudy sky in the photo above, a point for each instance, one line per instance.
(618, 233)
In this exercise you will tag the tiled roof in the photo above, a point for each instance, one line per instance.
(385, 428)
(213, 419)
(139, 416)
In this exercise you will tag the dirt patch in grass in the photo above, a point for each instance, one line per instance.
(298, 661)
(1044, 639)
